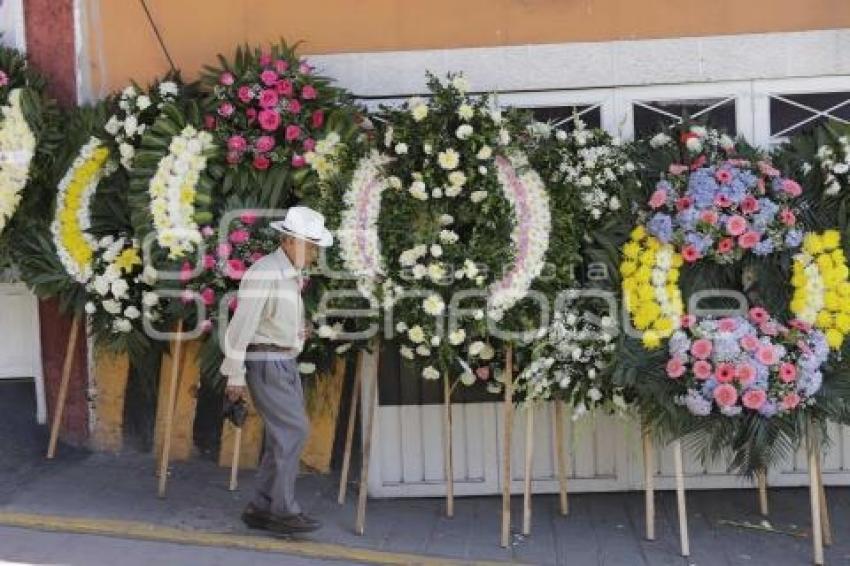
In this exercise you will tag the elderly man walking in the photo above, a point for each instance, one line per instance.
(263, 340)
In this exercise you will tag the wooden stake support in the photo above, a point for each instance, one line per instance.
(680, 498)
(826, 525)
(369, 414)
(177, 346)
(508, 423)
(63, 387)
(529, 460)
(349, 433)
(234, 467)
(649, 482)
(814, 494)
(561, 452)
(447, 447)
(761, 479)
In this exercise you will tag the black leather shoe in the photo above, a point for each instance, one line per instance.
(292, 524)
(256, 518)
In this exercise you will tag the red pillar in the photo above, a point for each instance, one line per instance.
(50, 48)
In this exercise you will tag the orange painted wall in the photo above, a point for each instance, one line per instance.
(122, 44)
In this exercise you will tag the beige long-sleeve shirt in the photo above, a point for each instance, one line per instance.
(269, 311)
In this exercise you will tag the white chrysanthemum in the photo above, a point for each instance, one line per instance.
(430, 373)
(433, 305)
(17, 147)
(465, 111)
(449, 159)
(306, 368)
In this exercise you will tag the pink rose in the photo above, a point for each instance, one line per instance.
(206, 326)
(767, 169)
(235, 269)
(727, 324)
(261, 162)
(208, 296)
(749, 239)
(265, 58)
(239, 236)
(304, 68)
(723, 201)
(709, 217)
(769, 327)
(251, 114)
(4, 79)
(758, 315)
(723, 176)
(248, 218)
(787, 217)
(308, 92)
(209, 261)
(207, 231)
(702, 370)
(209, 122)
(298, 161)
(293, 132)
(318, 118)
(223, 250)
(226, 78)
(269, 120)
(725, 395)
(749, 342)
(264, 143)
(232, 304)
(281, 66)
(790, 401)
(688, 320)
(245, 94)
(187, 296)
(725, 372)
(233, 157)
(745, 373)
(690, 253)
(483, 373)
(701, 349)
(698, 162)
(225, 109)
(754, 399)
(309, 144)
(683, 203)
(792, 187)
(725, 245)
(293, 106)
(787, 372)
(284, 88)
(236, 143)
(268, 77)
(736, 225)
(675, 368)
(766, 355)
(677, 169)
(749, 204)
(185, 272)
(268, 98)
(658, 198)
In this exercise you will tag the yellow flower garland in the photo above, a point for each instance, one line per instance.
(650, 272)
(821, 286)
(74, 245)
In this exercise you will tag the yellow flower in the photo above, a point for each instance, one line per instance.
(639, 233)
(631, 250)
(128, 259)
(831, 239)
(651, 340)
(812, 244)
(627, 268)
(834, 338)
(824, 320)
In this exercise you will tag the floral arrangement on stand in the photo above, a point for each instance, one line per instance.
(418, 218)
(29, 136)
(720, 207)
(282, 124)
(821, 286)
(736, 364)
(121, 295)
(172, 186)
(573, 362)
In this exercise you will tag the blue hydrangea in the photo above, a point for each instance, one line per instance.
(764, 247)
(726, 348)
(661, 226)
(702, 187)
(768, 409)
(809, 382)
(687, 218)
(794, 238)
(732, 411)
(697, 404)
(679, 343)
(699, 241)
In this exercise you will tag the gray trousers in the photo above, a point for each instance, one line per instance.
(276, 391)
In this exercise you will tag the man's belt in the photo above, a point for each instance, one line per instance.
(271, 348)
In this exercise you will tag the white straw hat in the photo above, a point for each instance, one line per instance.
(307, 224)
